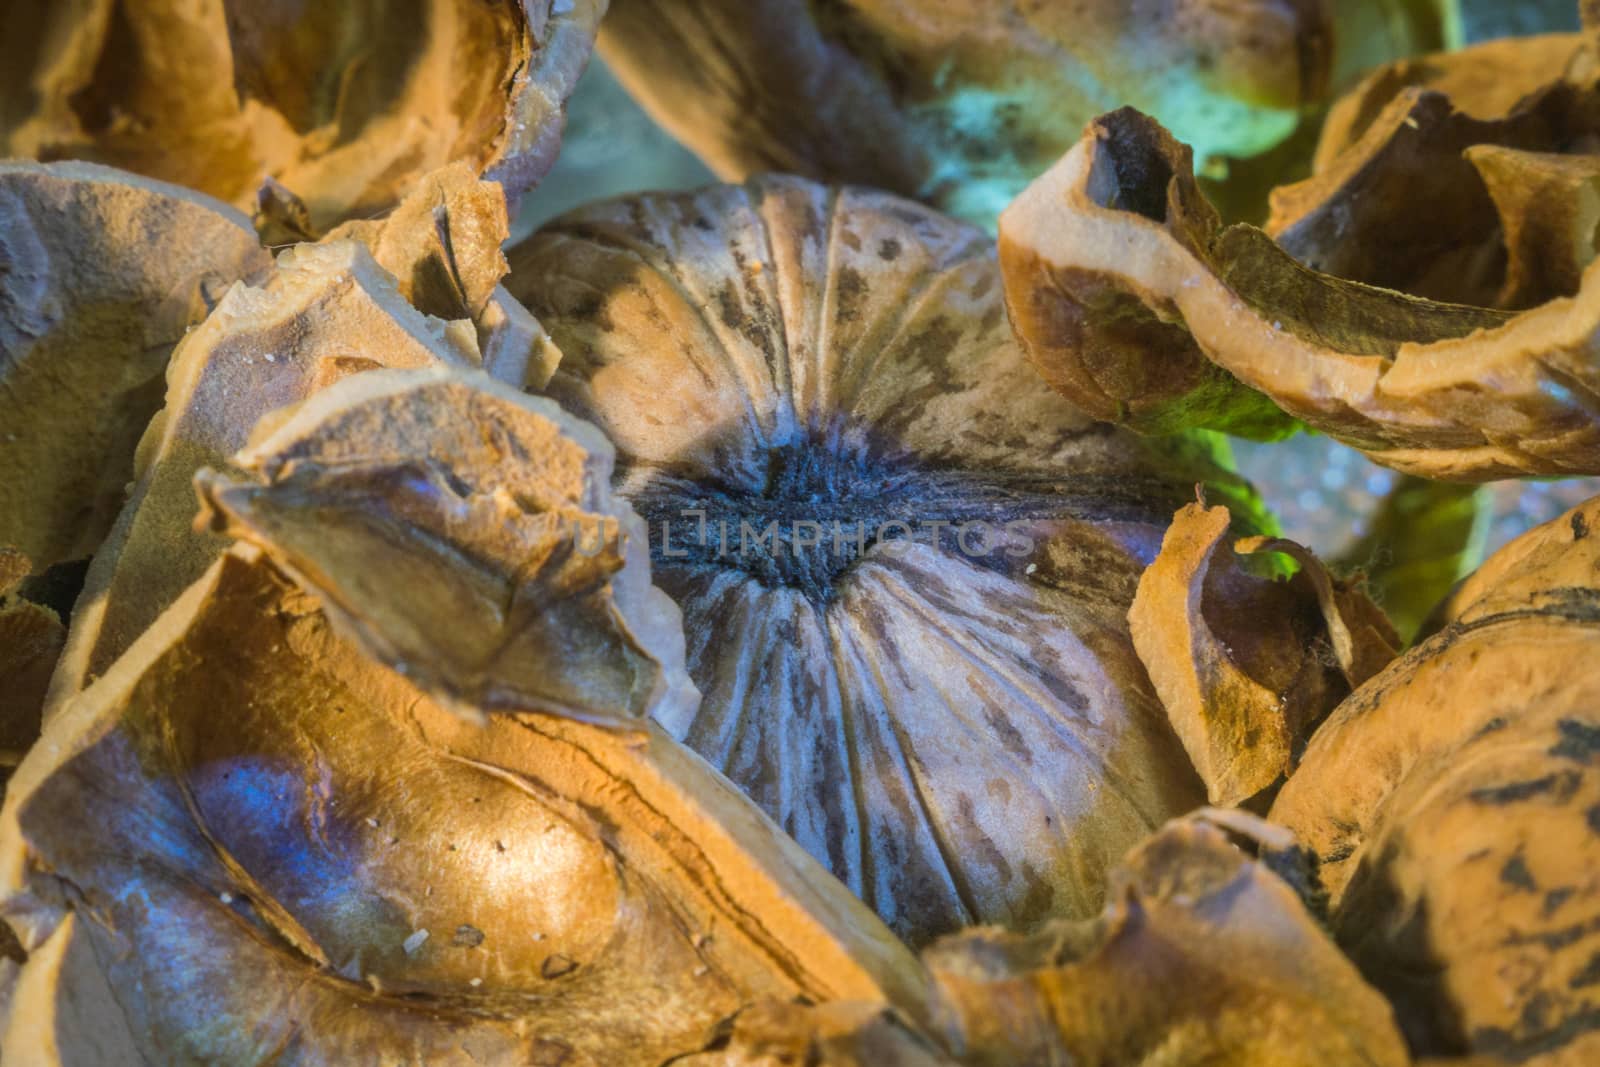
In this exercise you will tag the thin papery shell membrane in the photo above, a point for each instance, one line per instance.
(962, 104)
(959, 729)
(256, 837)
(344, 104)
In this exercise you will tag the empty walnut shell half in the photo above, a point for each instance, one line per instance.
(1454, 803)
(961, 104)
(345, 104)
(254, 838)
(904, 564)
(1137, 303)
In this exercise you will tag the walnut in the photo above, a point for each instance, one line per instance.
(1452, 802)
(344, 104)
(699, 634)
(961, 104)
(904, 566)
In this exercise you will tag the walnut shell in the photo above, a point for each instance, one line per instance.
(345, 104)
(1454, 802)
(31, 636)
(505, 527)
(1135, 301)
(1448, 180)
(1247, 666)
(959, 729)
(325, 312)
(1204, 956)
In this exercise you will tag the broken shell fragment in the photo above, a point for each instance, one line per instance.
(1247, 666)
(1549, 209)
(442, 244)
(504, 526)
(325, 312)
(345, 105)
(394, 880)
(904, 565)
(1202, 956)
(1128, 293)
(1452, 804)
(101, 272)
(962, 104)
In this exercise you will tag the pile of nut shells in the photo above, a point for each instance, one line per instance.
(780, 622)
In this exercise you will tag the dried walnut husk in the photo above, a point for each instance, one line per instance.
(1454, 804)
(962, 103)
(256, 838)
(345, 104)
(1203, 956)
(1137, 303)
(101, 272)
(1247, 666)
(959, 729)
(328, 310)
